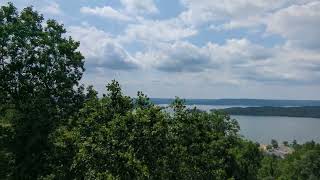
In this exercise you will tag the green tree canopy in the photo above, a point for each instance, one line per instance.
(39, 73)
(116, 136)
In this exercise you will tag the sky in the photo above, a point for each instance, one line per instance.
(195, 48)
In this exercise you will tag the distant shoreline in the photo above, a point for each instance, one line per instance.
(306, 111)
(242, 102)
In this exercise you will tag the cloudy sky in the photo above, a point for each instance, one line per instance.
(196, 48)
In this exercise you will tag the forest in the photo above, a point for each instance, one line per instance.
(54, 127)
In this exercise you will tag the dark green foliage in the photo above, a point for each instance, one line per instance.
(270, 168)
(6, 138)
(202, 144)
(248, 159)
(39, 72)
(295, 144)
(304, 163)
(274, 143)
(139, 140)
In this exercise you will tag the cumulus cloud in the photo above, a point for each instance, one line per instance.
(52, 8)
(233, 14)
(299, 24)
(139, 6)
(186, 57)
(106, 12)
(249, 22)
(177, 57)
(157, 30)
(130, 11)
(167, 49)
(237, 60)
(285, 65)
(171, 51)
(101, 50)
(206, 11)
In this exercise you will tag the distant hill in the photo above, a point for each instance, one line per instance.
(241, 102)
(307, 111)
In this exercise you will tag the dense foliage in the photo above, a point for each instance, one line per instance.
(307, 111)
(119, 137)
(39, 74)
(50, 128)
(303, 163)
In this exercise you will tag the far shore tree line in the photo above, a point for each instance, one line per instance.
(304, 111)
(52, 127)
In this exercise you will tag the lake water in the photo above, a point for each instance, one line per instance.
(264, 128)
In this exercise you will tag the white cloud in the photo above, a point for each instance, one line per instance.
(153, 31)
(236, 61)
(249, 22)
(165, 56)
(206, 11)
(299, 24)
(106, 12)
(130, 11)
(100, 49)
(139, 6)
(52, 8)
(232, 14)
(176, 57)
(184, 56)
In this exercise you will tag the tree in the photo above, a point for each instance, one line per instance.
(6, 138)
(116, 136)
(294, 144)
(248, 160)
(39, 74)
(274, 144)
(303, 163)
(112, 137)
(270, 168)
(202, 143)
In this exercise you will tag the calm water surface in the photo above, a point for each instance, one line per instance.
(264, 128)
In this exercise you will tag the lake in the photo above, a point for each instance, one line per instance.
(264, 128)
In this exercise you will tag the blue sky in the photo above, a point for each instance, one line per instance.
(196, 48)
